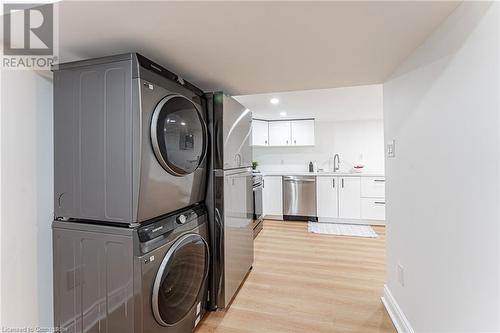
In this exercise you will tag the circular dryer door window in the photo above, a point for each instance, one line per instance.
(180, 279)
(178, 135)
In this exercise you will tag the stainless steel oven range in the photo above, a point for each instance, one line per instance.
(258, 216)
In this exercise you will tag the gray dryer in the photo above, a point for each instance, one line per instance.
(130, 140)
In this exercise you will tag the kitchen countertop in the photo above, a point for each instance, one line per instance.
(305, 173)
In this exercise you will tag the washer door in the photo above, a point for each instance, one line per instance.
(180, 279)
(178, 135)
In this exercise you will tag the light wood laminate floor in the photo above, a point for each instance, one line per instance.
(304, 282)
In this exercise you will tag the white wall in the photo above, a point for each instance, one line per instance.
(350, 139)
(442, 107)
(26, 199)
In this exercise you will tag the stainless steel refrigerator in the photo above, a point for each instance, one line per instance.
(229, 196)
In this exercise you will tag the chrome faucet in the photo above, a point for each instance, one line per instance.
(336, 166)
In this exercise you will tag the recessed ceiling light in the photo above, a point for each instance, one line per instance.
(283, 113)
(274, 101)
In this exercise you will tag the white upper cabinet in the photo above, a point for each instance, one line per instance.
(283, 132)
(280, 133)
(260, 132)
(303, 132)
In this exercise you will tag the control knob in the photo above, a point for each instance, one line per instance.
(181, 219)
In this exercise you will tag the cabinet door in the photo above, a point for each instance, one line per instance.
(373, 209)
(303, 132)
(327, 197)
(350, 197)
(260, 133)
(279, 133)
(273, 196)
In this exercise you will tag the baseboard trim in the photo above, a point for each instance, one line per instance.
(397, 316)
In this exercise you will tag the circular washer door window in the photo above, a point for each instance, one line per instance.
(178, 135)
(179, 280)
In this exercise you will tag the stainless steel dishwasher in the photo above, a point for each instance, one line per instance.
(299, 198)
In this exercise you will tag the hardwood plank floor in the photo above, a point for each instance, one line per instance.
(305, 282)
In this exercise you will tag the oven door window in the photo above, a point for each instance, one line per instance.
(178, 135)
(179, 280)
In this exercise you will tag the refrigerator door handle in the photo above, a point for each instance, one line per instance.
(237, 159)
(230, 172)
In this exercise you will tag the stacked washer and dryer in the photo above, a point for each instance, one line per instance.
(130, 234)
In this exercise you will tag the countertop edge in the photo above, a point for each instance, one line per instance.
(322, 174)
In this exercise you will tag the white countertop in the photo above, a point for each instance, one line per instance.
(305, 173)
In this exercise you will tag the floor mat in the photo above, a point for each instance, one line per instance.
(339, 229)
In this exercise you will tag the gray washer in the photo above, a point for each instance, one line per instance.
(130, 140)
(113, 279)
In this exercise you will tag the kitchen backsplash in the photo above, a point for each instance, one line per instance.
(357, 142)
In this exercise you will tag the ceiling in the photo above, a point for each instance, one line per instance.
(337, 104)
(255, 46)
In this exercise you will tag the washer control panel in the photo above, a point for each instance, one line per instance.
(165, 224)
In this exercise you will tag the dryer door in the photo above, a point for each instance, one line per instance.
(180, 279)
(178, 135)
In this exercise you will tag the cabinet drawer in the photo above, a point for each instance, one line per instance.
(373, 187)
(372, 209)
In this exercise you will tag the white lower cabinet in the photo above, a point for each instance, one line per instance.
(373, 208)
(272, 197)
(373, 187)
(353, 199)
(373, 198)
(338, 197)
(327, 198)
(350, 198)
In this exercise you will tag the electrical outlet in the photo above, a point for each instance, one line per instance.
(391, 149)
(401, 275)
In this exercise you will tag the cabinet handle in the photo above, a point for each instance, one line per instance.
(295, 141)
(265, 142)
(379, 180)
(379, 202)
(263, 182)
(286, 141)
(333, 182)
(342, 182)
